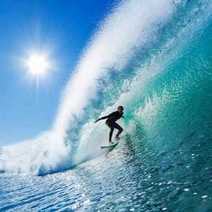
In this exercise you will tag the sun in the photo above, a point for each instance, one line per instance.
(37, 64)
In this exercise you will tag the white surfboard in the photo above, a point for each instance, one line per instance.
(110, 146)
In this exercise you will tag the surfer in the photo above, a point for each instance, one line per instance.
(111, 122)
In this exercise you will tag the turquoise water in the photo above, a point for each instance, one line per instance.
(163, 162)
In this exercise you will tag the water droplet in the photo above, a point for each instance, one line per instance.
(204, 196)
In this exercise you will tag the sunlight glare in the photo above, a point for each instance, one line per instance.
(37, 64)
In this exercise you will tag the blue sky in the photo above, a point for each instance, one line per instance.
(60, 27)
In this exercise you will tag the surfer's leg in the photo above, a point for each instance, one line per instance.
(119, 128)
(111, 134)
(110, 125)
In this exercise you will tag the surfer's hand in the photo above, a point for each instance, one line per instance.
(96, 121)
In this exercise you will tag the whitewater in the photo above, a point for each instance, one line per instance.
(155, 58)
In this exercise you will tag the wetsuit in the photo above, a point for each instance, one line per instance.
(111, 123)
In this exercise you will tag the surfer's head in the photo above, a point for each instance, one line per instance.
(120, 108)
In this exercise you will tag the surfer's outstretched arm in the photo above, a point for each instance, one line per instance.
(101, 118)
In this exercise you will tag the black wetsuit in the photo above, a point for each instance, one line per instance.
(111, 123)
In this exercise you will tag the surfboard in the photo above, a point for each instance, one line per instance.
(110, 146)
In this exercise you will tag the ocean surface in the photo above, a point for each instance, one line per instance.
(155, 58)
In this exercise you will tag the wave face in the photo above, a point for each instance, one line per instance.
(155, 59)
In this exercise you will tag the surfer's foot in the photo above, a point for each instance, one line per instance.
(117, 138)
